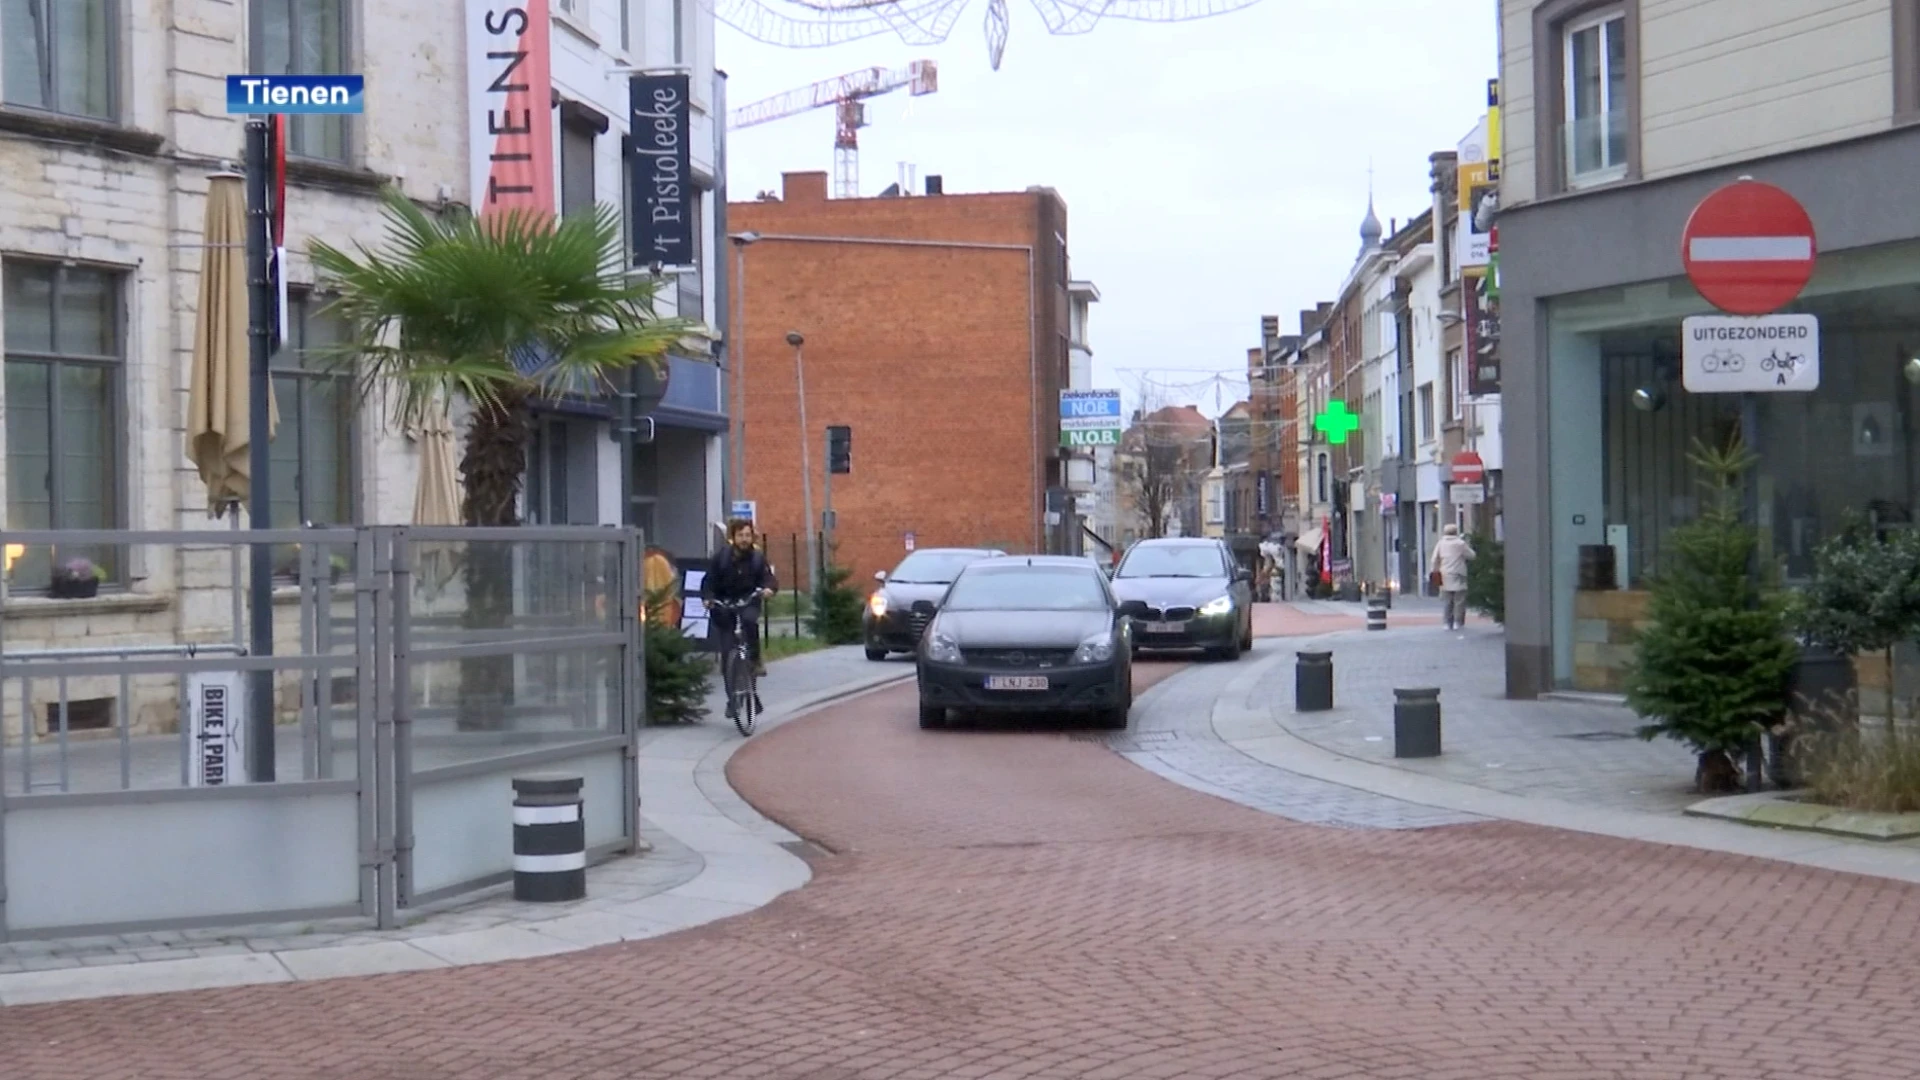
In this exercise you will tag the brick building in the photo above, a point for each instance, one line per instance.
(937, 328)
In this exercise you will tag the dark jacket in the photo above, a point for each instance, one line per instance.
(733, 578)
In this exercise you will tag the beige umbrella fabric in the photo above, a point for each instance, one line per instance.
(436, 496)
(217, 406)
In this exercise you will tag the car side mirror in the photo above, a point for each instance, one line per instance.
(880, 575)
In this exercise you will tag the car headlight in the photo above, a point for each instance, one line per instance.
(1094, 650)
(942, 649)
(877, 603)
(1217, 607)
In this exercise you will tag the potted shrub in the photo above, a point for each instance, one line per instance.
(77, 579)
(339, 566)
(1711, 667)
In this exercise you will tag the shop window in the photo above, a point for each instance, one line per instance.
(312, 454)
(65, 361)
(304, 37)
(1587, 77)
(61, 55)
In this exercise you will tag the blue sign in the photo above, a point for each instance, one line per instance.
(1090, 418)
(302, 94)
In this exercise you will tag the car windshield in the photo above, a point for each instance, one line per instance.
(1028, 588)
(1170, 561)
(931, 567)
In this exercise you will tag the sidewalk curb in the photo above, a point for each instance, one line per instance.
(1255, 733)
(743, 868)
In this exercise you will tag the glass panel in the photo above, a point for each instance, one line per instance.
(576, 170)
(324, 475)
(83, 57)
(1617, 92)
(1584, 102)
(22, 30)
(283, 455)
(28, 292)
(320, 48)
(29, 465)
(321, 331)
(85, 441)
(87, 312)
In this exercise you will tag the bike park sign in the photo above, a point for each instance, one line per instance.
(1728, 354)
(1090, 418)
(1750, 249)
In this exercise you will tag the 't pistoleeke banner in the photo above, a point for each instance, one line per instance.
(660, 140)
(510, 106)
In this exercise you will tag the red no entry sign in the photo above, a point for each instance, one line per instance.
(1749, 248)
(1468, 468)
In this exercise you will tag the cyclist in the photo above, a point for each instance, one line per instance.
(740, 574)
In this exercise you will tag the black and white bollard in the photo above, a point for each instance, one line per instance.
(1312, 681)
(549, 838)
(1377, 613)
(1416, 723)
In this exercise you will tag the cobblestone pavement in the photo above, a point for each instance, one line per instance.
(1578, 752)
(993, 905)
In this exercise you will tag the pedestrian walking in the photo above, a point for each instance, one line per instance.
(1448, 570)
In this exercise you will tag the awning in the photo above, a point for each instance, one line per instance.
(1309, 542)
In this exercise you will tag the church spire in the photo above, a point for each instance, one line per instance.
(1370, 230)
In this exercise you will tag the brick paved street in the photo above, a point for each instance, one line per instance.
(1007, 904)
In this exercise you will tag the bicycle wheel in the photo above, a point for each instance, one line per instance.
(744, 697)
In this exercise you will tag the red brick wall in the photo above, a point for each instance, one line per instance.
(923, 351)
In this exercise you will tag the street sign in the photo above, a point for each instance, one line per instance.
(745, 508)
(1468, 468)
(909, 541)
(1725, 354)
(216, 728)
(1090, 418)
(1336, 423)
(1466, 494)
(1749, 248)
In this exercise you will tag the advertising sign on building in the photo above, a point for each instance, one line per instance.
(660, 144)
(1481, 326)
(1090, 418)
(510, 107)
(1479, 188)
(216, 728)
(745, 510)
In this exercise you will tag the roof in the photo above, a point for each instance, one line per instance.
(1077, 562)
(953, 551)
(1084, 288)
(1175, 541)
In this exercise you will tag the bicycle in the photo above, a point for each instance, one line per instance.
(738, 677)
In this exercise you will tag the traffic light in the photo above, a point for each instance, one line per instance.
(839, 449)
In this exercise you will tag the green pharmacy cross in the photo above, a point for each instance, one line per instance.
(1336, 423)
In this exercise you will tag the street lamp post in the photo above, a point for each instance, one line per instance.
(806, 460)
(737, 384)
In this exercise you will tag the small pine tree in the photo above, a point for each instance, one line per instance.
(1711, 667)
(678, 673)
(1487, 577)
(836, 614)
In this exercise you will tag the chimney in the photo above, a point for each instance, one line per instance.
(803, 187)
(934, 185)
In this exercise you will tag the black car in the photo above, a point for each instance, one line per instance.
(904, 603)
(1186, 593)
(1028, 634)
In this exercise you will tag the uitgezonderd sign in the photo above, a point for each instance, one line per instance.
(659, 141)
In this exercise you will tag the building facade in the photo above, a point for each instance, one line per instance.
(1618, 118)
(112, 119)
(938, 329)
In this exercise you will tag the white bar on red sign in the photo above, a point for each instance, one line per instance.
(1750, 248)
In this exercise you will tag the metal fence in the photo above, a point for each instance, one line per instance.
(416, 672)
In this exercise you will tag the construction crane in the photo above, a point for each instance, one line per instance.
(847, 94)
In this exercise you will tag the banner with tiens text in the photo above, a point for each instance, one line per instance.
(510, 106)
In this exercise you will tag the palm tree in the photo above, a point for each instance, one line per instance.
(497, 311)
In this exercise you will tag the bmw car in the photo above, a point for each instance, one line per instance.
(904, 603)
(1186, 593)
(1028, 634)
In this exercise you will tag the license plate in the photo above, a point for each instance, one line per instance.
(1164, 627)
(1016, 682)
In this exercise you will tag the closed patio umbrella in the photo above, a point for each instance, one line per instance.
(218, 437)
(436, 496)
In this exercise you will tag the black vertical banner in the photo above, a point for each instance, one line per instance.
(659, 139)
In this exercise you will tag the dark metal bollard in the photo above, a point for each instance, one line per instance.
(1416, 723)
(1312, 681)
(1376, 614)
(549, 838)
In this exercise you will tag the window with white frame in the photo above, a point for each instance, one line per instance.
(60, 55)
(1595, 97)
(304, 37)
(65, 361)
(1426, 412)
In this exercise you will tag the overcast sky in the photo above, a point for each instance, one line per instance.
(1214, 170)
